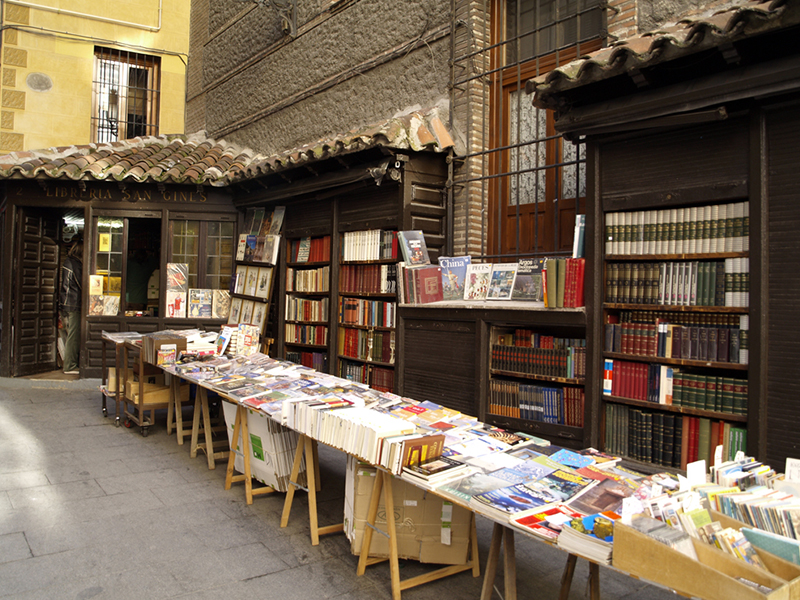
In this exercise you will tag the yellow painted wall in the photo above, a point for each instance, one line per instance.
(57, 38)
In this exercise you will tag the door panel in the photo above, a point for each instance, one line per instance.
(36, 302)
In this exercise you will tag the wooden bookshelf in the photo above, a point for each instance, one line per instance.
(703, 295)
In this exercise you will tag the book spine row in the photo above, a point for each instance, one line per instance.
(778, 518)
(368, 279)
(303, 309)
(569, 363)
(558, 405)
(316, 360)
(352, 371)
(531, 339)
(691, 230)
(662, 384)
(366, 345)
(669, 440)
(308, 280)
(689, 283)
(315, 335)
(710, 338)
(563, 282)
(367, 313)
(310, 250)
(381, 379)
(710, 392)
(373, 244)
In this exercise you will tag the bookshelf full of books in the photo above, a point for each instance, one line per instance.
(366, 308)
(536, 379)
(308, 301)
(676, 325)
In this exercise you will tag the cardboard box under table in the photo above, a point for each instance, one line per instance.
(429, 529)
(271, 447)
(714, 576)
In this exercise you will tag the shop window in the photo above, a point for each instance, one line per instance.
(125, 94)
(125, 266)
(207, 247)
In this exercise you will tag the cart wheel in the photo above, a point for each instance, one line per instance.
(128, 423)
(145, 431)
(105, 411)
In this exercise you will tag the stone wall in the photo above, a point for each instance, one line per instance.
(353, 62)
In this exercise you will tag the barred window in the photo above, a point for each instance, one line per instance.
(530, 180)
(125, 95)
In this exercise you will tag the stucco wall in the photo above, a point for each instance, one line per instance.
(56, 49)
(352, 63)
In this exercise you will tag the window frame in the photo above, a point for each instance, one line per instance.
(204, 219)
(125, 96)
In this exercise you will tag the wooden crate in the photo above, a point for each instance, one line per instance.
(712, 577)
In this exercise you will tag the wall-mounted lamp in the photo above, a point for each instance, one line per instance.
(287, 10)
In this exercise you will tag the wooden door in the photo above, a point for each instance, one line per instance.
(35, 293)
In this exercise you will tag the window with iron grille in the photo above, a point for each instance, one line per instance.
(527, 181)
(125, 95)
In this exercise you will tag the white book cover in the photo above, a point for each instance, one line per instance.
(694, 216)
(650, 226)
(713, 230)
(673, 227)
(609, 241)
(638, 232)
(680, 230)
(661, 223)
(746, 227)
(241, 247)
(722, 228)
(501, 281)
(616, 229)
(695, 267)
(662, 283)
(738, 220)
(729, 267)
(705, 241)
(628, 233)
(476, 285)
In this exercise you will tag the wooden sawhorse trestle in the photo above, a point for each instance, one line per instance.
(505, 536)
(307, 446)
(240, 426)
(383, 485)
(209, 446)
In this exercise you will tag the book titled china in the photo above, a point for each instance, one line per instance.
(454, 273)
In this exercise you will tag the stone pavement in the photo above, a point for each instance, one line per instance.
(88, 510)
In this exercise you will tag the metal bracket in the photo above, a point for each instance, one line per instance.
(287, 10)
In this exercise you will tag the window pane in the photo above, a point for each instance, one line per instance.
(219, 254)
(108, 264)
(185, 239)
(527, 126)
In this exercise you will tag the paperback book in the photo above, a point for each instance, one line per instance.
(413, 247)
(528, 283)
(476, 285)
(501, 281)
(454, 273)
(546, 524)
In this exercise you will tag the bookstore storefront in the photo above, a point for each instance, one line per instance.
(129, 234)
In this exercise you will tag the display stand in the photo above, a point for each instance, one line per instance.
(141, 407)
(383, 483)
(209, 446)
(240, 426)
(307, 446)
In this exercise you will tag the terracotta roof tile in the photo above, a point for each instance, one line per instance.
(735, 20)
(199, 159)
